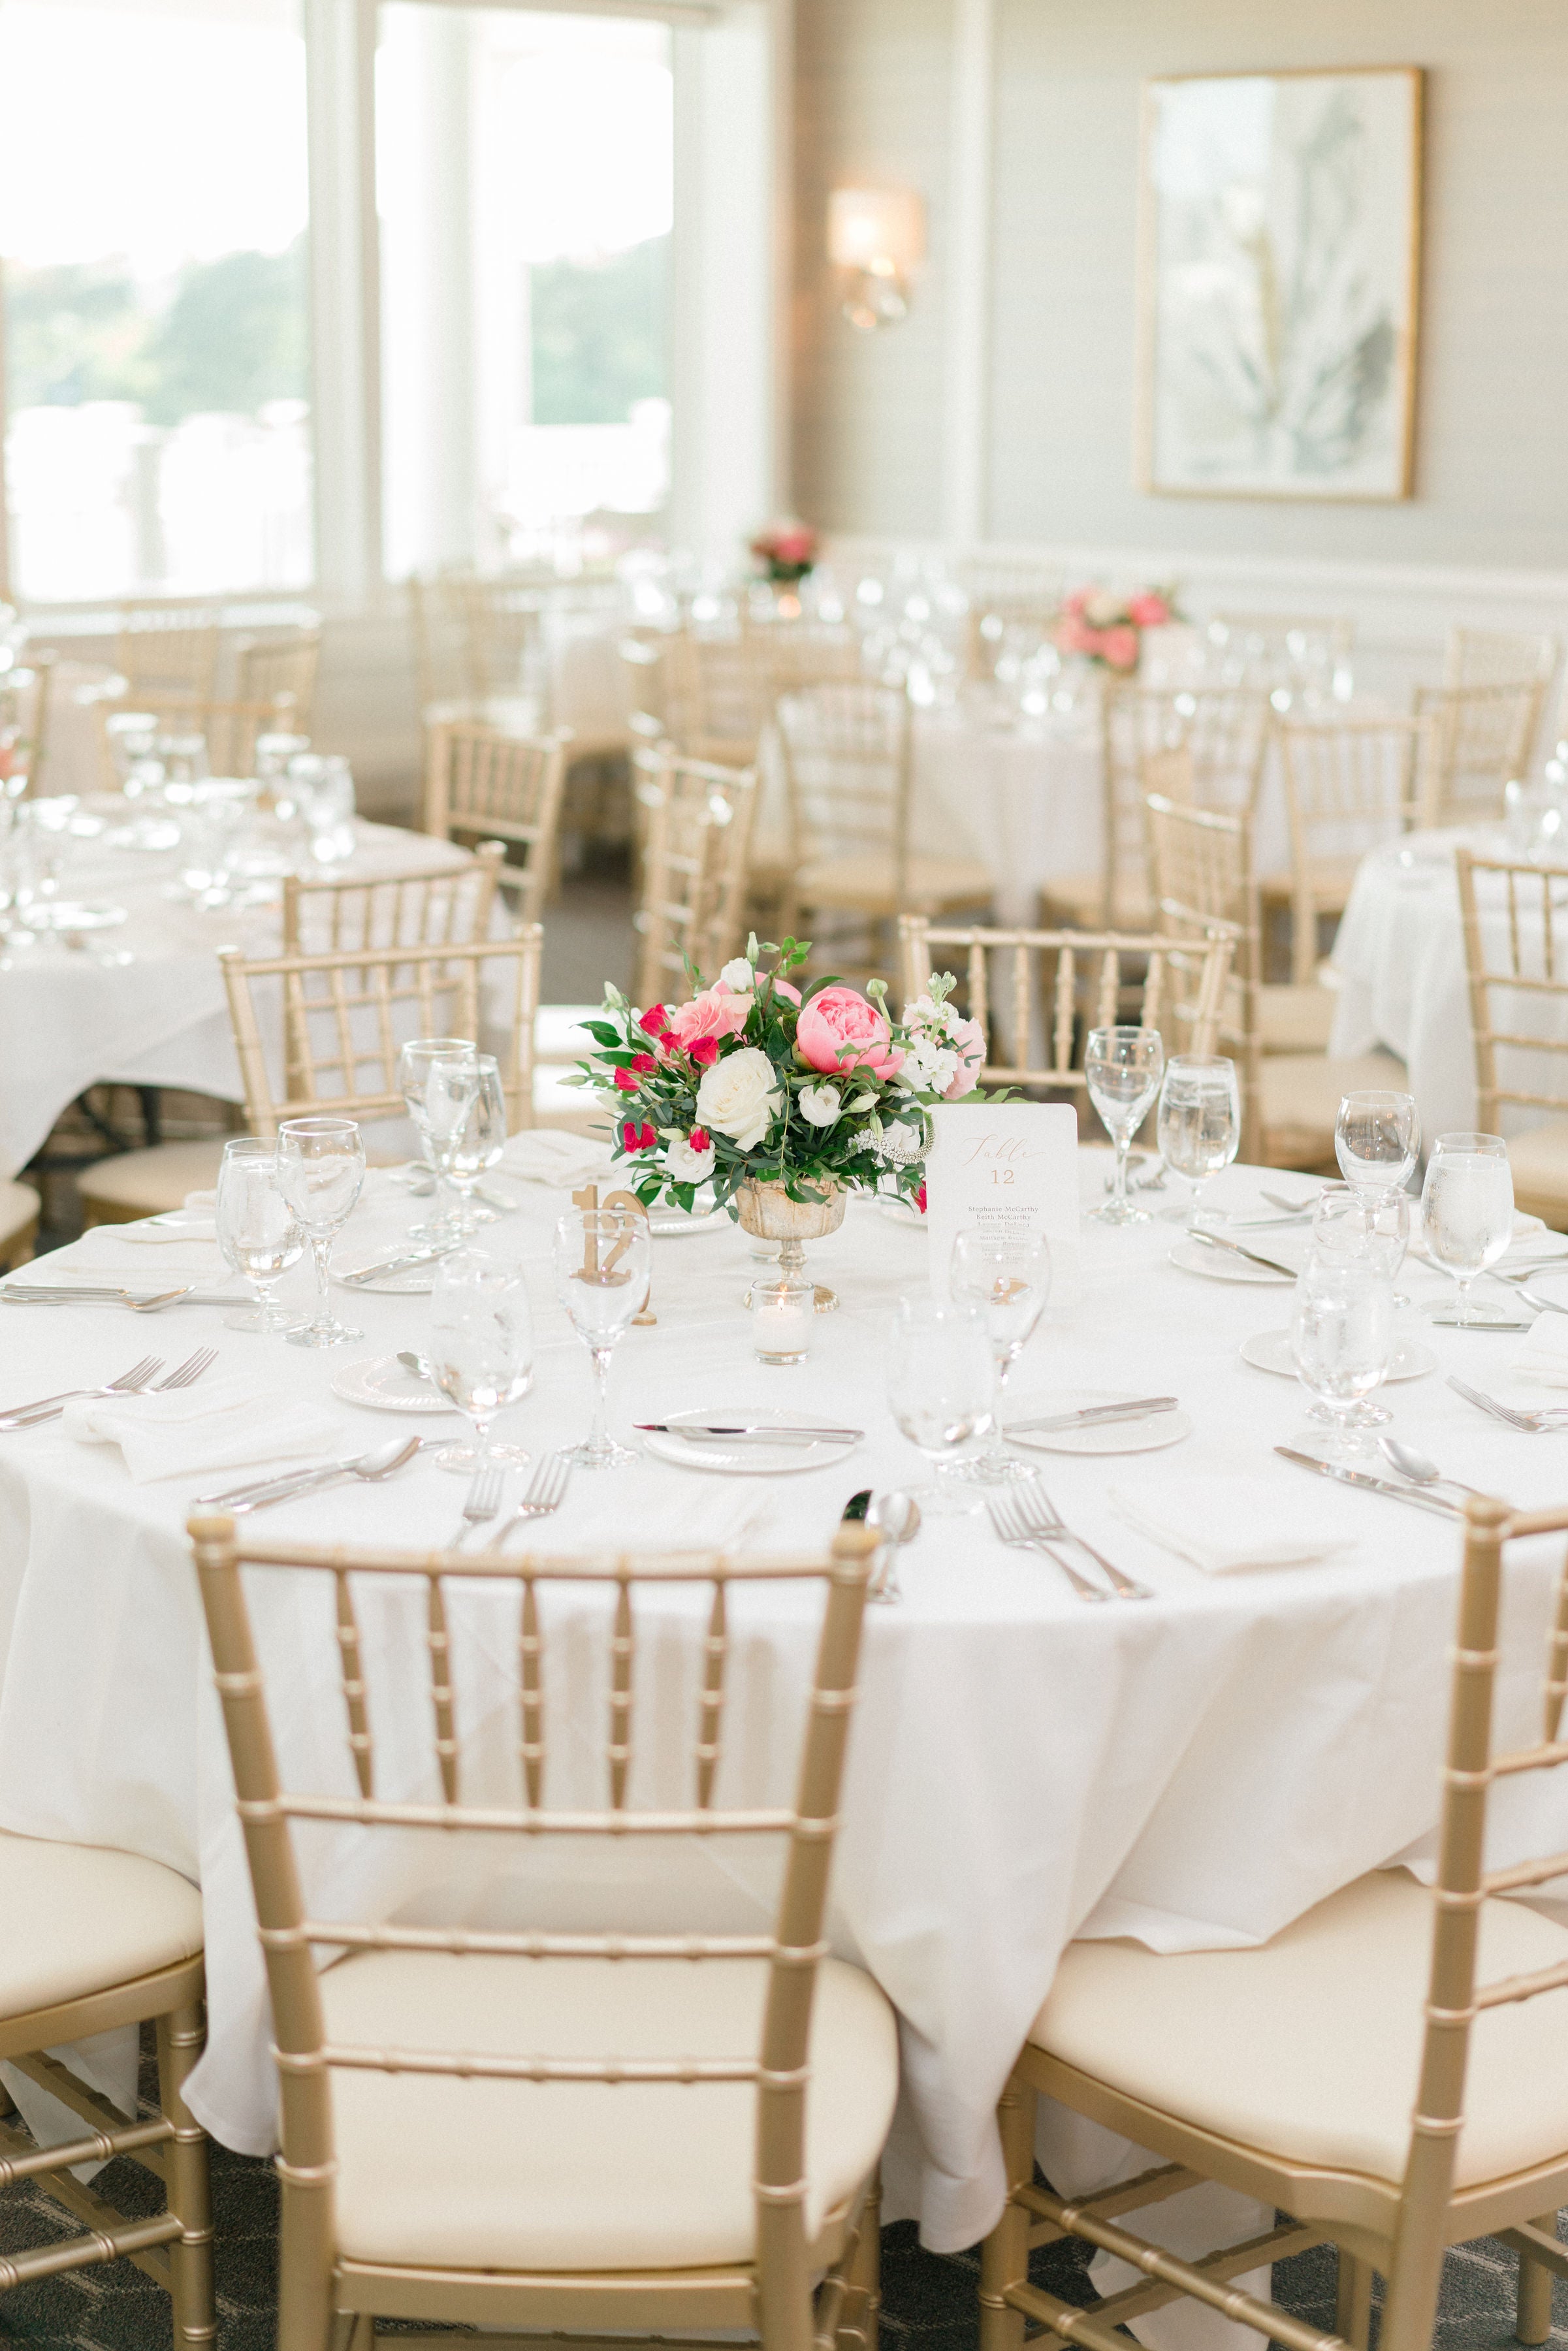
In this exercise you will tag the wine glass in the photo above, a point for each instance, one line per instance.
(1008, 1283)
(1342, 1335)
(601, 1279)
(1466, 1209)
(1378, 1140)
(259, 1232)
(480, 1143)
(1122, 1067)
(482, 1352)
(320, 1168)
(1347, 1223)
(941, 1390)
(1199, 1126)
(439, 1077)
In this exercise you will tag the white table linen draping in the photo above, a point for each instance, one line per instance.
(1196, 1770)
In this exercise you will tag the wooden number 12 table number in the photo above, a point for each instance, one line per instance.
(623, 1203)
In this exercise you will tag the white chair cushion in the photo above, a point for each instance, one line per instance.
(1309, 2047)
(864, 884)
(1298, 1097)
(1540, 1165)
(20, 1207)
(148, 1183)
(584, 2176)
(77, 1919)
(1295, 1019)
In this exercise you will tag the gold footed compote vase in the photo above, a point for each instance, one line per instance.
(769, 1214)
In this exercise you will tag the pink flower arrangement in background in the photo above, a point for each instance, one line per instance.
(785, 550)
(1110, 629)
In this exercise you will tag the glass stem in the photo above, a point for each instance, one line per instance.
(1123, 1141)
(264, 1306)
(599, 1435)
(320, 1246)
(996, 1448)
(481, 1421)
(1464, 1281)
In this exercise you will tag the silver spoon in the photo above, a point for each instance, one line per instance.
(420, 1365)
(380, 1463)
(897, 1516)
(1416, 1466)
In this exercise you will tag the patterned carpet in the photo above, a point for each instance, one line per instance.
(929, 2299)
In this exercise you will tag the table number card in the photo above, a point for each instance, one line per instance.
(1007, 1168)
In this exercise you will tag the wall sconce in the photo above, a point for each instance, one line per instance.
(878, 236)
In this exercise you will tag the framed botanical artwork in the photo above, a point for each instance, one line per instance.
(1279, 282)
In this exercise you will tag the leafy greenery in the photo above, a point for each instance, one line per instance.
(599, 333)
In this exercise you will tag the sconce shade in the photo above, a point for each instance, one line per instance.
(881, 230)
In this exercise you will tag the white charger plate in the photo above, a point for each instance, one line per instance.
(1270, 1351)
(744, 1460)
(387, 1386)
(1150, 1435)
(1218, 1265)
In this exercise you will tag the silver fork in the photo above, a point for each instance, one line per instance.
(20, 1414)
(1533, 1423)
(546, 1493)
(187, 1374)
(1008, 1522)
(1042, 1516)
(483, 1503)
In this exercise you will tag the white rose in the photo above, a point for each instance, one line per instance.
(739, 1097)
(686, 1165)
(738, 977)
(820, 1104)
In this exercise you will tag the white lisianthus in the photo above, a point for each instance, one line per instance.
(686, 1161)
(739, 1097)
(929, 1066)
(738, 977)
(820, 1104)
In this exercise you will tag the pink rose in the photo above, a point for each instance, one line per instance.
(840, 1030)
(1074, 636)
(712, 1012)
(1120, 647)
(637, 1135)
(969, 1044)
(782, 988)
(1148, 610)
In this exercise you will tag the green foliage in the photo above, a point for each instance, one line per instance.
(599, 331)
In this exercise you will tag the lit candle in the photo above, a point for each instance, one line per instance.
(781, 1315)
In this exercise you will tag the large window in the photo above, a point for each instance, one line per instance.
(524, 188)
(153, 211)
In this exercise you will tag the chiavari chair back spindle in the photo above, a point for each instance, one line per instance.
(502, 622)
(280, 670)
(1501, 657)
(167, 652)
(1515, 916)
(699, 819)
(1484, 738)
(445, 905)
(500, 2037)
(1350, 784)
(481, 782)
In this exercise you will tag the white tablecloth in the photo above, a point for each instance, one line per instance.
(68, 1019)
(1197, 1771)
(1400, 956)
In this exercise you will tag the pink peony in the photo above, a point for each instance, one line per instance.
(790, 995)
(712, 1012)
(1148, 610)
(840, 1030)
(969, 1044)
(1074, 635)
(1118, 647)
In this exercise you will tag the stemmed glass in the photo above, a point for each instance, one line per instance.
(1378, 1140)
(1466, 1210)
(482, 1351)
(1122, 1068)
(1342, 1335)
(601, 1279)
(1008, 1283)
(941, 1390)
(1199, 1126)
(320, 1168)
(480, 1143)
(439, 1077)
(259, 1232)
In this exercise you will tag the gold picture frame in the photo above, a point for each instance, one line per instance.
(1278, 284)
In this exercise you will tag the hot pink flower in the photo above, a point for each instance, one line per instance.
(704, 1051)
(712, 1012)
(920, 1199)
(625, 1083)
(840, 1030)
(656, 1021)
(1148, 610)
(636, 1137)
(1120, 647)
(969, 1044)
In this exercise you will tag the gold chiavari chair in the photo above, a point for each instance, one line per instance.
(228, 728)
(1515, 916)
(280, 670)
(1390, 2071)
(167, 652)
(1081, 981)
(1501, 657)
(439, 638)
(20, 1208)
(444, 906)
(1291, 1085)
(846, 752)
(718, 694)
(610, 2132)
(481, 782)
(503, 620)
(92, 1940)
(1484, 738)
(1350, 784)
(693, 868)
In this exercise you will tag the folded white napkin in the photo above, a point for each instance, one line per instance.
(217, 1425)
(549, 1155)
(1543, 1352)
(1221, 1524)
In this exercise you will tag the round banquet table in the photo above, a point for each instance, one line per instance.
(143, 1003)
(1400, 957)
(1195, 1770)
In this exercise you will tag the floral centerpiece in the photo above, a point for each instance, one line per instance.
(786, 550)
(1110, 629)
(753, 1083)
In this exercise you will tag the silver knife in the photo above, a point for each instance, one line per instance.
(1142, 1410)
(766, 1433)
(1417, 1502)
(1212, 1240)
(404, 1264)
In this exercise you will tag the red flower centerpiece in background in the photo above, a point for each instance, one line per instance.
(1109, 630)
(786, 550)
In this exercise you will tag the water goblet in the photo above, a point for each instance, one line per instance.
(1199, 1127)
(941, 1390)
(482, 1352)
(1348, 1223)
(321, 1169)
(439, 1077)
(1009, 1282)
(259, 1231)
(1342, 1335)
(1466, 1210)
(601, 1279)
(480, 1143)
(1378, 1140)
(1122, 1067)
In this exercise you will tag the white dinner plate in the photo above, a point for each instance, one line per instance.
(387, 1386)
(742, 1461)
(668, 1223)
(1219, 1265)
(1270, 1351)
(1150, 1435)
